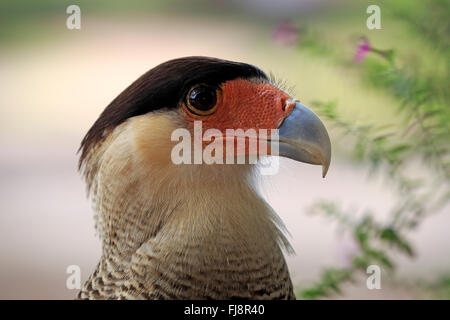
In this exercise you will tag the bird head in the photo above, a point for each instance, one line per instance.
(153, 214)
(220, 95)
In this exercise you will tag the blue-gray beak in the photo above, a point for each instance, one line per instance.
(303, 137)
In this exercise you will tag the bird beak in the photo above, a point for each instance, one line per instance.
(303, 137)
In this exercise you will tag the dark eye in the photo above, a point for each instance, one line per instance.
(202, 100)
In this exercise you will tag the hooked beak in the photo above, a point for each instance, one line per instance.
(303, 137)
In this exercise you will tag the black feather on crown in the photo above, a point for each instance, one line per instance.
(164, 86)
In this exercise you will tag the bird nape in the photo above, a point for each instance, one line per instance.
(192, 231)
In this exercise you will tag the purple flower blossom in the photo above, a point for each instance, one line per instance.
(363, 49)
(285, 33)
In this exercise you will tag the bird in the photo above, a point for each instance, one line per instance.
(192, 231)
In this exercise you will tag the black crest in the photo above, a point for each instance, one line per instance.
(164, 86)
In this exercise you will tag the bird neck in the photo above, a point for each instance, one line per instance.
(216, 206)
(138, 198)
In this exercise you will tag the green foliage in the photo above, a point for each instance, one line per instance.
(429, 18)
(373, 239)
(331, 278)
(441, 288)
(422, 142)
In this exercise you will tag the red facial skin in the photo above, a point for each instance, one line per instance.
(244, 104)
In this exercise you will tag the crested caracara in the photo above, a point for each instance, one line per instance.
(191, 231)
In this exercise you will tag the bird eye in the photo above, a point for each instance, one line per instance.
(202, 100)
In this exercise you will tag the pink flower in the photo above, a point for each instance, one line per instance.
(285, 33)
(363, 49)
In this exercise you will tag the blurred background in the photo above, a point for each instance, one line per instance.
(383, 94)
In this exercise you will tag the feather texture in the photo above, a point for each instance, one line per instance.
(178, 232)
